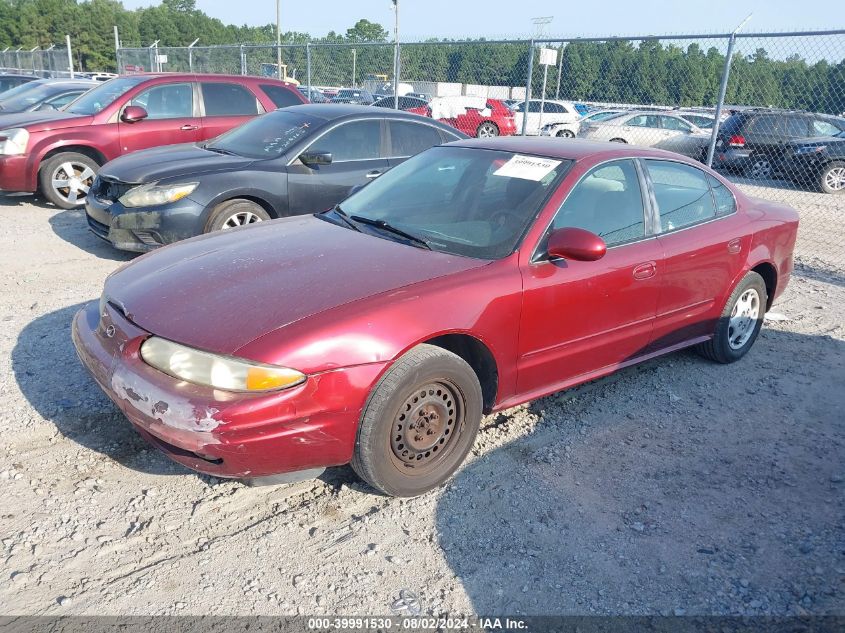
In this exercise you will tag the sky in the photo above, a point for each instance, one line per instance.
(512, 18)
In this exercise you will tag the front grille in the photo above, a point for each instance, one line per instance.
(110, 189)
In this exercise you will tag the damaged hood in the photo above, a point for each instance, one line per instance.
(219, 292)
(170, 162)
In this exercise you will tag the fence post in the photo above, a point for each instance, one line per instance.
(308, 68)
(243, 60)
(69, 56)
(723, 87)
(559, 71)
(528, 86)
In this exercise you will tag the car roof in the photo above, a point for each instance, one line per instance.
(205, 76)
(570, 149)
(73, 83)
(332, 111)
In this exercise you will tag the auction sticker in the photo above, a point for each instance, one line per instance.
(527, 167)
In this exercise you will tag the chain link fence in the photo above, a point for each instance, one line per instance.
(51, 62)
(763, 109)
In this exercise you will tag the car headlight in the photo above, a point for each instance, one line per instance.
(216, 371)
(13, 142)
(153, 194)
(811, 149)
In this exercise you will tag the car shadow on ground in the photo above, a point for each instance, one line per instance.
(72, 227)
(678, 486)
(8, 199)
(61, 391)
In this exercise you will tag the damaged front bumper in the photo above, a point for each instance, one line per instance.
(312, 425)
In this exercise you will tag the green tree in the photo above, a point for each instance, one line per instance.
(366, 31)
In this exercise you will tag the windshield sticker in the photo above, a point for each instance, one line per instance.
(527, 167)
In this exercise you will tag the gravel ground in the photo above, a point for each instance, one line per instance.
(675, 487)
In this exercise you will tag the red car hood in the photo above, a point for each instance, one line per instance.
(219, 292)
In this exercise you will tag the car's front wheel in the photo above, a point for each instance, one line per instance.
(234, 213)
(66, 178)
(565, 134)
(832, 178)
(419, 422)
(740, 322)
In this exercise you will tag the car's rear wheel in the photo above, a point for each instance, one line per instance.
(740, 322)
(66, 178)
(565, 134)
(759, 168)
(234, 213)
(419, 423)
(487, 130)
(832, 178)
(618, 140)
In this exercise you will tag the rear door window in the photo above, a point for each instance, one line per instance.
(409, 138)
(643, 120)
(280, 96)
(671, 123)
(725, 201)
(796, 126)
(682, 194)
(228, 99)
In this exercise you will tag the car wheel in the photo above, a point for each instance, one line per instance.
(234, 213)
(618, 140)
(565, 134)
(487, 130)
(740, 322)
(419, 423)
(832, 178)
(759, 168)
(66, 178)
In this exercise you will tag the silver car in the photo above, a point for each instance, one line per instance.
(651, 129)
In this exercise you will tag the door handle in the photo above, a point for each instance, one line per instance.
(735, 246)
(189, 128)
(373, 174)
(645, 270)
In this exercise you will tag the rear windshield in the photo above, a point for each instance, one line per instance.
(268, 136)
(100, 97)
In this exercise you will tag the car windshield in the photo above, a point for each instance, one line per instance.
(100, 97)
(17, 91)
(267, 136)
(464, 201)
(29, 94)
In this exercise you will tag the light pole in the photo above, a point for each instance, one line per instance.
(279, 38)
(396, 59)
(354, 60)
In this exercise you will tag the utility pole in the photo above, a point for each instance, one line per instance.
(279, 39)
(396, 59)
(69, 56)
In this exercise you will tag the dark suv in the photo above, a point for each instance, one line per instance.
(752, 141)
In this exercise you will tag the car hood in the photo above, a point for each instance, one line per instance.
(219, 292)
(42, 120)
(172, 161)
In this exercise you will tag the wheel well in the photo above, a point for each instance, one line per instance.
(477, 356)
(90, 152)
(259, 201)
(770, 277)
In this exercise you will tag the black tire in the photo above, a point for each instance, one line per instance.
(722, 347)
(425, 380)
(619, 140)
(824, 184)
(565, 134)
(54, 170)
(227, 213)
(759, 168)
(487, 130)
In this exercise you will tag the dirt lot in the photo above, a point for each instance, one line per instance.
(675, 487)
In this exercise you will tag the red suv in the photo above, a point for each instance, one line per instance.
(60, 152)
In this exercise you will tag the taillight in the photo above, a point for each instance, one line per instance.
(736, 140)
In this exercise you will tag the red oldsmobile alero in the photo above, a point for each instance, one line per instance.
(473, 277)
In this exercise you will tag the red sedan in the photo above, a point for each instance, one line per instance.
(471, 278)
(474, 116)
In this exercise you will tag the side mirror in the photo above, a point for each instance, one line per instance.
(577, 244)
(133, 114)
(312, 159)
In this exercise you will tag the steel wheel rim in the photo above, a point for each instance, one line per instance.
(761, 169)
(486, 131)
(241, 218)
(565, 134)
(71, 181)
(426, 427)
(835, 178)
(743, 319)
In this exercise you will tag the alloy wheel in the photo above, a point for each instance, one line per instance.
(835, 179)
(242, 218)
(744, 316)
(71, 181)
(761, 169)
(487, 130)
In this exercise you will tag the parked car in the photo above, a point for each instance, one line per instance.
(292, 161)
(751, 139)
(651, 129)
(571, 130)
(413, 104)
(59, 152)
(420, 95)
(42, 94)
(10, 80)
(471, 278)
(353, 95)
(818, 162)
(553, 112)
(700, 120)
(314, 95)
(474, 116)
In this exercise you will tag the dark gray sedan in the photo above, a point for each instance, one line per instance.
(43, 94)
(297, 160)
